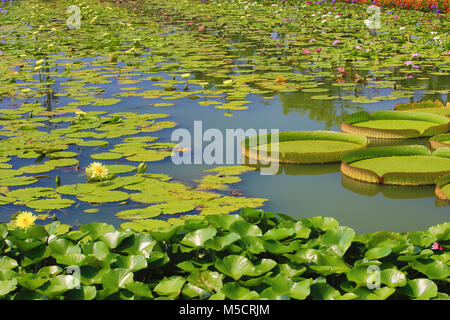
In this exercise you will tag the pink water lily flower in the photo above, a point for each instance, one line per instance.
(358, 47)
(305, 51)
(341, 69)
(318, 49)
(437, 246)
(409, 63)
(312, 40)
(335, 41)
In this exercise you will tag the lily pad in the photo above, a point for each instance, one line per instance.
(443, 187)
(17, 181)
(429, 106)
(303, 146)
(48, 204)
(104, 196)
(37, 168)
(440, 141)
(395, 125)
(404, 165)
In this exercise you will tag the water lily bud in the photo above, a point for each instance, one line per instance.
(141, 168)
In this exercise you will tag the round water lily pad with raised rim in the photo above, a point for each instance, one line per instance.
(429, 106)
(302, 146)
(403, 165)
(440, 141)
(443, 187)
(394, 124)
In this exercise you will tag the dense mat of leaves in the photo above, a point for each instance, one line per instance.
(254, 255)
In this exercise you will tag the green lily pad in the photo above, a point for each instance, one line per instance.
(62, 154)
(37, 168)
(404, 165)
(104, 196)
(17, 181)
(62, 162)
(395, 125)
(106, 156)
(144, 213)
(47, 204)
(303, 146)
(121, 168)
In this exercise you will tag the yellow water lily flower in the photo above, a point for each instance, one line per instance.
(80, 114)
(97, 170)
(25, 219)
(228, 82)
(185, 75)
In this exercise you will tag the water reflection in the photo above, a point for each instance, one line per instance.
(331, 111)
(327, 111)
(300, 169)
(393, 192)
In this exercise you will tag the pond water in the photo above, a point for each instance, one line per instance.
(296, 190)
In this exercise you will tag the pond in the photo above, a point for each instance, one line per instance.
(304, 95)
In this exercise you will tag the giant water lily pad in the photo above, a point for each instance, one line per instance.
(405, 165)
(440, 141)
(429, 106)
(443, 187)
(395, 125)
(302, 146)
